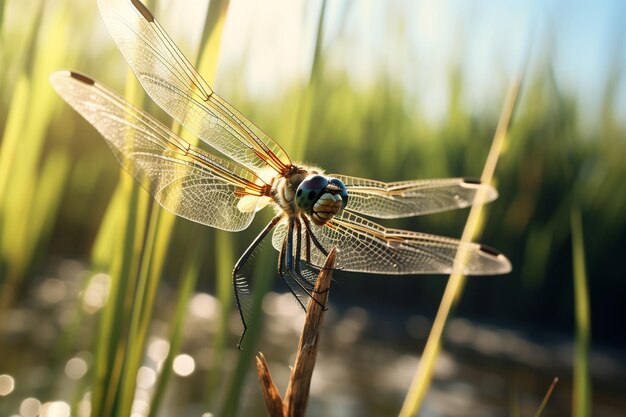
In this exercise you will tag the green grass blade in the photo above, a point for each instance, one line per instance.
(225, 258)
(186, 288)
(12, 133)
(127, 213)
(104, 248)
(9, 271)
(47, 199)
(210, 42)
(142, 302)
(454, 289)
(113, 331)
(581, 395)
(296, 145)
(126, 345)
(118, 248)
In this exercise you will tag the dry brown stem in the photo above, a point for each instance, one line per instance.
(297, 395)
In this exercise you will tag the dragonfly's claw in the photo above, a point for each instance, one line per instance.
(240, 342)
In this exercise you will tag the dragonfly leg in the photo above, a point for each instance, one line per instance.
(311, 237)
(318, 245)
(307, 249)
(240, 282)
(306, 283)
(283, 272)
(299, 286)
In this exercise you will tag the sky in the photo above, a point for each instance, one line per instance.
(416, 42)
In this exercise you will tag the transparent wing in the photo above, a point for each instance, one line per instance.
(387, 200)
(182, 178)
(172, 82)
(364, 246)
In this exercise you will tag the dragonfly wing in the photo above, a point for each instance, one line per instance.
(364, 246)
(388, 200)
(173, 83)
(182, 178)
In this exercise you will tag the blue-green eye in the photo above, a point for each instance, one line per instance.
(309, 191)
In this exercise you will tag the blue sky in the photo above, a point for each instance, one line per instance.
(416, 42)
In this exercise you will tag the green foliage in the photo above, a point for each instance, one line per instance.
(57, 179)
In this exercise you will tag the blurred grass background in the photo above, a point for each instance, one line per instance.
(92, 274)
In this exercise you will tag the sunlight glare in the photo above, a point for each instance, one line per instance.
(7, 385)
(184, 365)
(97, 293)
(76, 368)
(55, 409)
(84, 408)
(158, 350)
(51, 291)
(204, 306)
(146, 377)
(30, 407)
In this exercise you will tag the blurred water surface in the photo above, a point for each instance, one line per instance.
(365, 364)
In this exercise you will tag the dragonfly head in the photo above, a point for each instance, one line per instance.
(321, 197)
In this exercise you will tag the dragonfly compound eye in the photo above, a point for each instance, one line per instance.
(321, 197)
(342, 191)
(309, 191)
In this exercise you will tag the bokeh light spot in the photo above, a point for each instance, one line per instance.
(51, 291)
(146, 377)
(184, 365)
(76, 368)
(204, 306)
(30, 407)
(55, 409)
(7, 384)
(97, 293)
(158, 350)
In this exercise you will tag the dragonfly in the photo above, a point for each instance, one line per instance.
(314, 211)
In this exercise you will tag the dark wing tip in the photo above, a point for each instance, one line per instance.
(489, 193)
(141, 8)
(503, 264)
(491, 251)
(82, 78)
(470, 180)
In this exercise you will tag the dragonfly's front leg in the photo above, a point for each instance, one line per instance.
(307, 249)
(311, 235)
(240, 282)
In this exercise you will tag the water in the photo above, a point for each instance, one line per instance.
(366, 360)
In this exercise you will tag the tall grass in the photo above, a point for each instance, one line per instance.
(454, 289)
(50, 189)
(28, 199)
(581, 395)
(142, 279)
